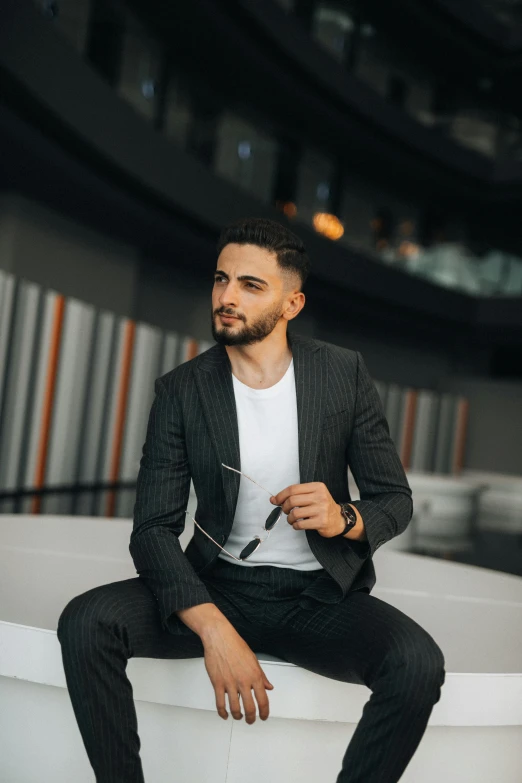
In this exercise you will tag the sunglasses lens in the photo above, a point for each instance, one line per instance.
(249, 549)
(273, 517)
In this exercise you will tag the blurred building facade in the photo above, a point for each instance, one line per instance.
(132, 132)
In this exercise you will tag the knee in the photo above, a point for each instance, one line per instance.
(78, 619)
(429, 665)
(420, 667)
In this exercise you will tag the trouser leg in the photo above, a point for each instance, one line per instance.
(367, 641)
(99, 631)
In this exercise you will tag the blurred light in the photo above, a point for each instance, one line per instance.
(408, 249)
(407, 227)
(287, 207)
(328, 225)
(244, 150)
(367, 31)
(334, 16)
(323, 191)
(376, 224)
(148, 88)
(382, 244)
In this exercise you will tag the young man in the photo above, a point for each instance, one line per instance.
(265, 423)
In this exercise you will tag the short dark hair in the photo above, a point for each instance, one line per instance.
(289, 249)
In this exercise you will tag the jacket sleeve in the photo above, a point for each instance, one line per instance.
(162, 493)
(386, 505)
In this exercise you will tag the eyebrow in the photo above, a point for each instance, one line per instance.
(241, 277)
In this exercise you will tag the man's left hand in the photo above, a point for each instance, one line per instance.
(311, 507)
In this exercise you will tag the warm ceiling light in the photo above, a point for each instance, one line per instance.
(406, 228)
(408, 249)
(328, 225)
(287, 207)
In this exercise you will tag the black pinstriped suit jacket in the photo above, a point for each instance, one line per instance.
(192, 429)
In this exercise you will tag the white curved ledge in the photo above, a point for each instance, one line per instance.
(474, 614)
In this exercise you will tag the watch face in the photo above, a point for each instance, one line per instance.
(350, 513)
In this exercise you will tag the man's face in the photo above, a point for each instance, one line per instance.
(248, 284)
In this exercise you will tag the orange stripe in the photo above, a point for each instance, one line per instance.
(192, 349)
(460, 444)
(50, 385)
(409, 425)
(130, 330)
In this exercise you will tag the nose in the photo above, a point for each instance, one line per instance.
(228, 297)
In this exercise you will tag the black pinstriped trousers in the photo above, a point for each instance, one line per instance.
(360, 639)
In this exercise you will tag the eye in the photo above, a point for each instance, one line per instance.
(218, 279)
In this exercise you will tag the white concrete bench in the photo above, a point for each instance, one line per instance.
(444, 512)
(474, 733)
(500, 507)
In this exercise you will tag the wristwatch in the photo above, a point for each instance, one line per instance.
(349, 517)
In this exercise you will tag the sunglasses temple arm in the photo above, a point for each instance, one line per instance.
(215, 542)
(248, 477)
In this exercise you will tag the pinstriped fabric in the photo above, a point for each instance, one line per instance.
(193, 428)
(323, 620)
(360, 640)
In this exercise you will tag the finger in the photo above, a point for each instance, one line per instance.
(300, 499)
(312, 523)
(248, 704)
(262, 701)
(233, 700)
(293, 489)
(220, 702)
(302, 512)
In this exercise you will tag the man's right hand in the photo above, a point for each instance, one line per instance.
(231, 665)
(234, 669)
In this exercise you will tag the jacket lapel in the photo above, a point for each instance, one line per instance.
(216, 392)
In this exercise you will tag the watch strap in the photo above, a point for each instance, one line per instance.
(350, 518)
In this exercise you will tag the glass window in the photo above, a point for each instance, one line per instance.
(314, 186)
(452, 265)
(71, 18)
(500, 273)
(372, 60)
(246, 156)
(388, 71)
(509, 139)
(420, 99)
(288, 5)
(333, 27)
(513, 284)
(178, 114)
(357, 214)
(140, 68)
(473, 129)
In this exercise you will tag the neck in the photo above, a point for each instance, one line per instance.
(261, 364)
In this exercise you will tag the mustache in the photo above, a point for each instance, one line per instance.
(220, 312)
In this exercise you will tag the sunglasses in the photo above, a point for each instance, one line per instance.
(274, 517)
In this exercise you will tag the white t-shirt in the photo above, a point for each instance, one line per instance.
(269, 448)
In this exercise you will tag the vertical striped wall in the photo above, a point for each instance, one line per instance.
(76, 386)
(428, 428)
(77, 383)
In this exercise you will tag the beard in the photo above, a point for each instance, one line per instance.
(246, 334)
